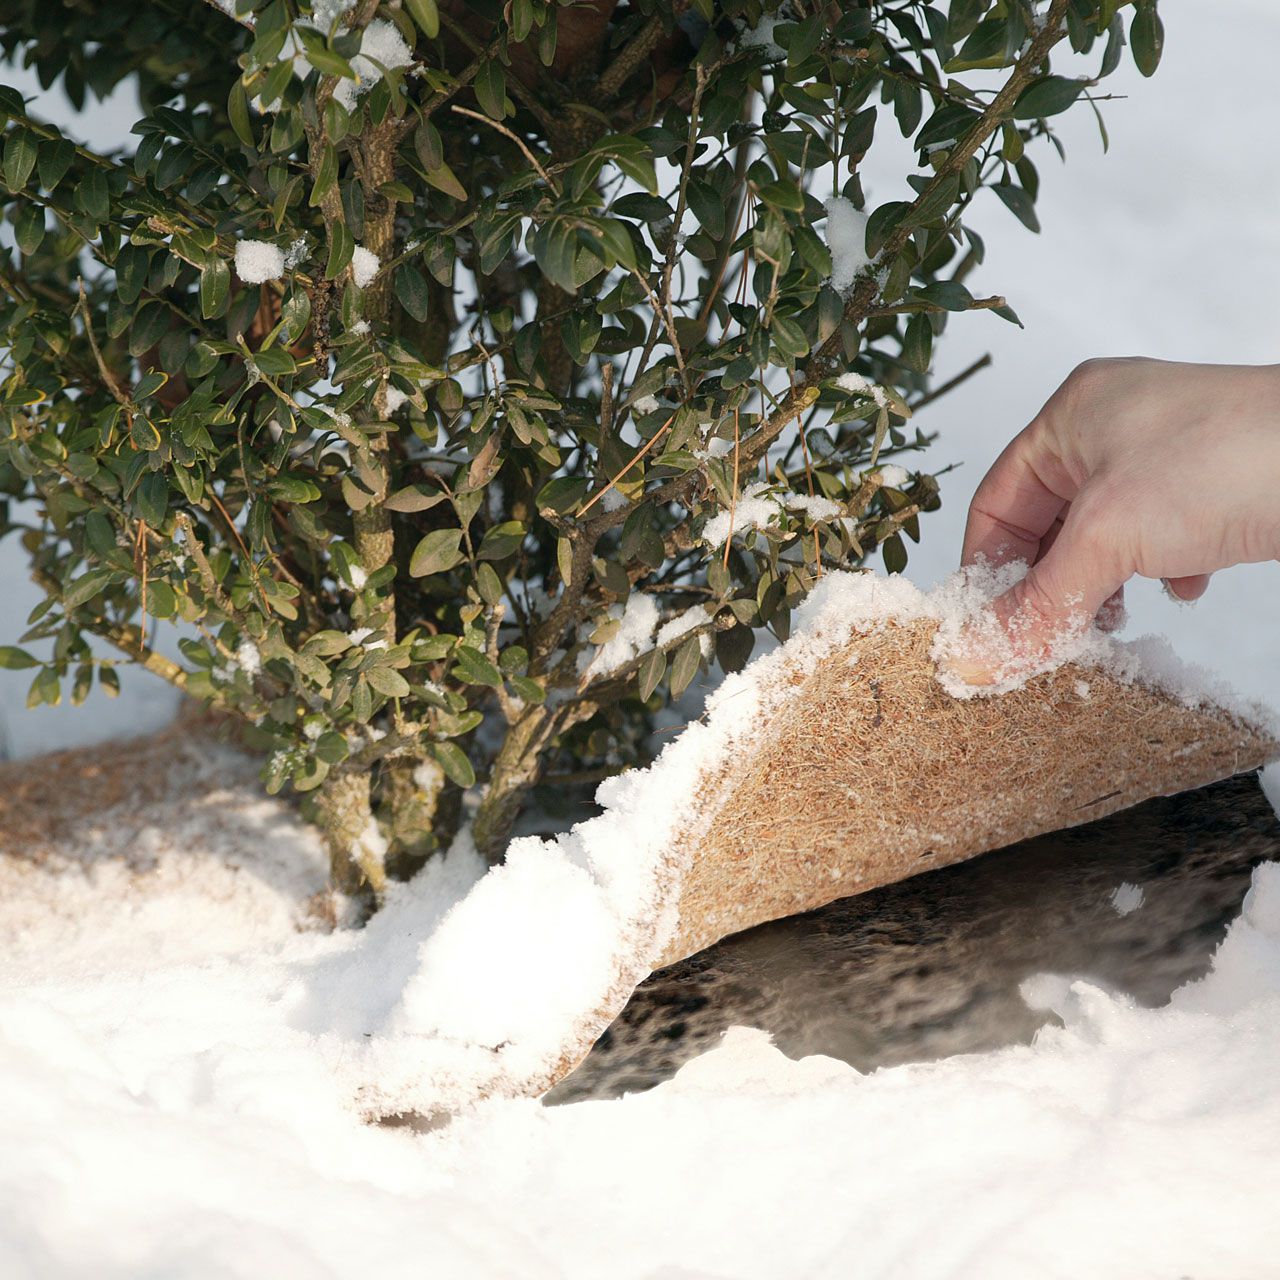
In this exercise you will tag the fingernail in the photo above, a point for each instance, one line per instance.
(968, 670)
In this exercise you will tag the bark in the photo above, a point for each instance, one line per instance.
(515, 770)
(419, 810)
(374, 537)
(345, 816)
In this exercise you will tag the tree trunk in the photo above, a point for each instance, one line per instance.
(515, 770)
(419, 812)
(346, 818)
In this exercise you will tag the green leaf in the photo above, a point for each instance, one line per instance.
(783, 194)
(1047, 97)
(215, 288)
(153, 498)
(474, 668)
(562, 494)
(94, 197)
(652, 669)
(29, 229)
(411, 289)
(438, 552)
(19, 159)
(388, 682)
(528, 689)
(55, 160)
(917, 345)
(453, 760)
(444, 179)
(895, 554)
(238, 112)
(951, 295)
(490, 86)
(1019, 203)
(948, 124)
(326, 176)
(685, 665)
(275, 362)
(1146, 35)
(84, 588)
(342, 245)
(414, 497)
(501, 540)
(331, 747)
(325, 60)
(15, 659)
(426, 15)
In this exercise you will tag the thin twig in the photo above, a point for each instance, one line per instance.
(733, 493)
(648, 444)
(952, 383)
(108, 378)
(508, 133)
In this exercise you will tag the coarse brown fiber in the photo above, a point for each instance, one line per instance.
(871, 772)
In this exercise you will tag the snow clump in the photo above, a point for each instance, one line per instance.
(364, 266)
(856, 384)
(382, 48)
(761, 504)
(257, 261)
(847, 240)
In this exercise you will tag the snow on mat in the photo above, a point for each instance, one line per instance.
(835, 763)
(832, 765)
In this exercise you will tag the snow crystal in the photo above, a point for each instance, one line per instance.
(295, 253)
(359, 635)
(381, 46)
(248, 659)
(358, 577)
(257, 261)
(892, 475)
(646, 404)
(761, 504)
(364, 266)
(1126, 898)
(858, 385)
(847, 240)
(360, 328)
(395, 399)
(1082, 688)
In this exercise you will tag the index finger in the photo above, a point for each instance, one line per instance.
(1017, 503)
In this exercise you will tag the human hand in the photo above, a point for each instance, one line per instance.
(1134, 466)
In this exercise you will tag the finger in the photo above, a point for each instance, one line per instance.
(1188, 589)
(1060, 595)
(1111, 617)
(1017, 502)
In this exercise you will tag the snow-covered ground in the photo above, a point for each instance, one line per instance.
(167, 1108)
(190, 1063)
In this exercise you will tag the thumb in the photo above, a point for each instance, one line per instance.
(1059, 597)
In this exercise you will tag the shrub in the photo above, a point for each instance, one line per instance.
(464, 378)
